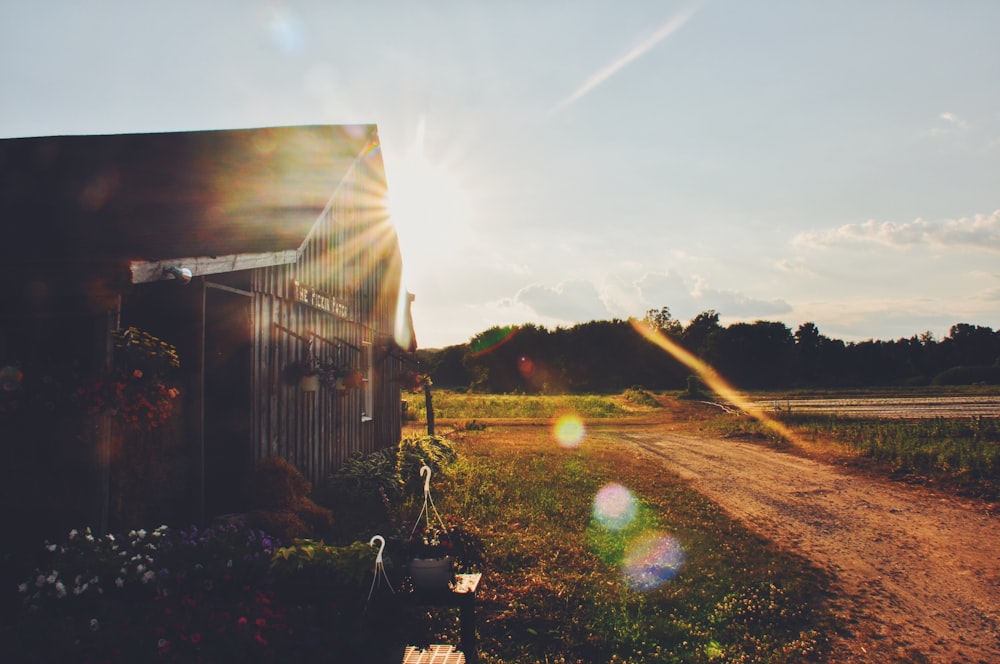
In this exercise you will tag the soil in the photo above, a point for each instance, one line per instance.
(916, 570)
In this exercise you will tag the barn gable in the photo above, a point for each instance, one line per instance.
(284, 238)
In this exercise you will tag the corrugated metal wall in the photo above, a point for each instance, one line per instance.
(352, 255)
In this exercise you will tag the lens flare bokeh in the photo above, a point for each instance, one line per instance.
(492, 339)
(10, 379)
(568, 430)
(615, 507)
(651, 560)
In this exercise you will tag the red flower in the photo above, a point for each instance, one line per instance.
(260, 639)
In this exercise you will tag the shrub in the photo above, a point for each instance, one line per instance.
(641, 397)
(280, 493)
(422, 450)
(361, 492)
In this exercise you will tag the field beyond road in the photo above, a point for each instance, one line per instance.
(913, 571)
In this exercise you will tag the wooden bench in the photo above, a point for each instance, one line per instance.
(437, 654)
(461, 594)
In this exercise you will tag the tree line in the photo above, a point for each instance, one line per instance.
(611, 355)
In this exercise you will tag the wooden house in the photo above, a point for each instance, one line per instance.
(249, 250)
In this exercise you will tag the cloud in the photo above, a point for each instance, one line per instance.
(570, 301)
(953, 124)
(606, 72)
(686, 298)
(793, 267)
(733, 304)
(979, 232)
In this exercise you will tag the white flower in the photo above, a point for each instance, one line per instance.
(60, 589)
(40, 581)
(79, 590)
(22, 587)
(140, 568)
(161, 644)
(73, 533)
(141, 533)
(119, 582)
(229, 564)
(52, 577)
(89, 537)
(51, 547)
(94, 579)
(148, 576)
(94, 625)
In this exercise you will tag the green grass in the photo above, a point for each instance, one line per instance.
(554, 589)
(964, 452)
(460, 405)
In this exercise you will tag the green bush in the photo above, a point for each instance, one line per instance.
(361, 493)
(641, 397)
(423, 450)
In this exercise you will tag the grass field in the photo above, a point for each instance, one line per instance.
(961, 454)
(562, 580)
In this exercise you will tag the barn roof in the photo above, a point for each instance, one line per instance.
(146, 197)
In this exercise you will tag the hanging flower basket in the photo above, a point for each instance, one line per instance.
(429, 546)
(431, 573)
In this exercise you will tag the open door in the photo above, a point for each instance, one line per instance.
(228, 357)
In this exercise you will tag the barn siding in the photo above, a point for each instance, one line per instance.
(352, 254)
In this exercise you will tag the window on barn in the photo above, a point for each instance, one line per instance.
(367, 398)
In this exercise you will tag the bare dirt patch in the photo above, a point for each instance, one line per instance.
(917, 571)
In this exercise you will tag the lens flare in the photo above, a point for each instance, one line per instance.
(712, 378)
(569, 430)
(10, 379)
(526, 366)
(615, 507)
(491, 339)
(651, 560)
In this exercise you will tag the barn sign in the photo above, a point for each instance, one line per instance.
(317, 300)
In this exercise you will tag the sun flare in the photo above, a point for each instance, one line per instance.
(428, 203)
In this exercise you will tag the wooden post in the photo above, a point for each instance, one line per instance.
(430, 407)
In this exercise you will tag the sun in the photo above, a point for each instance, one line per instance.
(428, 204)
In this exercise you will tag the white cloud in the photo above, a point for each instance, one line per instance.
(793, 267)
(952, 124)
(979, 232)
(570, 301)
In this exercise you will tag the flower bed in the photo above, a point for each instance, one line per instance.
(222, 593)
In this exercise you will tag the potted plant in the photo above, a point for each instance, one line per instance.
(431, 565)
(304, 374)
(339, 377)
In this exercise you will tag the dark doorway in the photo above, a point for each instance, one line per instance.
(228, 356)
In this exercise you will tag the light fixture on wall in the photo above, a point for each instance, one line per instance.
(181, 274)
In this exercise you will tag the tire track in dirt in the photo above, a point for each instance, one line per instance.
(917, 573)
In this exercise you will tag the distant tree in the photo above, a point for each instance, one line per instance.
(757, 355)
(970, 345)
(698, 334)
(662, 321)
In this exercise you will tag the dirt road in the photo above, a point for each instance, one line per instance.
(917, 572)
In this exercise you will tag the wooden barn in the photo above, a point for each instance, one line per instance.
(258, 254)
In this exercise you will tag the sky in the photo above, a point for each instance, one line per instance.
(556, 162)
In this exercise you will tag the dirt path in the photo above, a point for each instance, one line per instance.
(917, 573)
